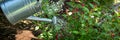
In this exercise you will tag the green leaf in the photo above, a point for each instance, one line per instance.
(91, 5)
(57, 27)
(83, 32)
(75, 32)
(85, 9)
(97, 2)
(71, 4)
(78, 6)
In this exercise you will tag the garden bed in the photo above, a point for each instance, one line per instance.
(85, 20)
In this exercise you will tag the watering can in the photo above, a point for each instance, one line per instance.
(16, 10)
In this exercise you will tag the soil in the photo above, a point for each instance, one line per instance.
(9, 31)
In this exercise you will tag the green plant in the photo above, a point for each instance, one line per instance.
(90, 20)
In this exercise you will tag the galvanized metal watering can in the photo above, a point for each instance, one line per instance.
(16, 10)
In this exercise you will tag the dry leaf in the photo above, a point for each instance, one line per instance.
(24, 35)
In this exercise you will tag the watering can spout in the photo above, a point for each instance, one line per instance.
(16, 10)
(39, 19)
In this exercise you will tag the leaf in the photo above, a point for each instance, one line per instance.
(83, 32)
(97, 2)
(57, 27)
(91, 5)
(24, 35)
(37, 27)
(71, 4)
(75, 32)
(78, 6)
(85, 9)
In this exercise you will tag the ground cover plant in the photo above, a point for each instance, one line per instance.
(84, 19)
